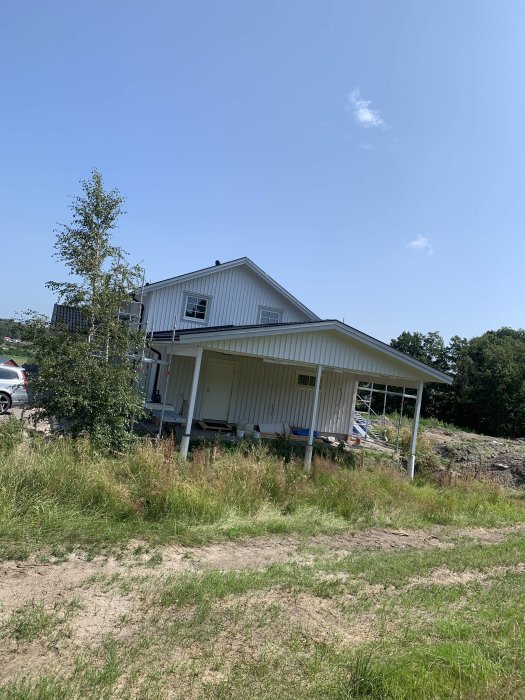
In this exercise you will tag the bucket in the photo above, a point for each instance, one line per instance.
(240, 433)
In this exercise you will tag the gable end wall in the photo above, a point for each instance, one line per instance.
(236, 295)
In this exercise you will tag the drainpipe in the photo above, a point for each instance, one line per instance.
(157, 352)
(157, 372)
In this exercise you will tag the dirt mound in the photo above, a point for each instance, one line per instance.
(482, 457)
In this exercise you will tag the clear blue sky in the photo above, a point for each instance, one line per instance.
(370, 155)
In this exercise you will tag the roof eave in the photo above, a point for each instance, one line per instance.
(431, 375)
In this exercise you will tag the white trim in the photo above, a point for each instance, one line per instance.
(191, 319)
(432, 374)
(413, 438)
(227, 266)
(185, 441)
(270, 310)
(313, 422)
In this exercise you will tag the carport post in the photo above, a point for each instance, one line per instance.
(185, 442)
(355, 386)
(415, 425)
(309, 447)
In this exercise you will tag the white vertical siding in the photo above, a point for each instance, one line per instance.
(268, 393)
(236, 295)
(325, 348)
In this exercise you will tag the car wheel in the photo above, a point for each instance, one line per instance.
(5, 403)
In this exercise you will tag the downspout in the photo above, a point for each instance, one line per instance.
(157, 372)
(157, 352)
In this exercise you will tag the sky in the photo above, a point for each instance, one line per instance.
(368, 155)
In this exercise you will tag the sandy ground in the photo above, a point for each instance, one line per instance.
(24, 581)
(104, 609)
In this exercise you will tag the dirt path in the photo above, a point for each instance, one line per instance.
(24, 582)
(100, 611)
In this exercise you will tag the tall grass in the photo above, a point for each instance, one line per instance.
(60, 492)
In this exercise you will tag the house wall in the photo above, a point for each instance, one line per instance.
(236, 295)
(268, 393)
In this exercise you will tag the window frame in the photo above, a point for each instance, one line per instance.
(307, 387)
(192, 319)
(271, 310)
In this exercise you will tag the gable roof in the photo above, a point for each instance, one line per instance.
(225, 334)
(239, 262)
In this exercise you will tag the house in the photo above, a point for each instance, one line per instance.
(236, 346)
(69, 317)
(7, 361)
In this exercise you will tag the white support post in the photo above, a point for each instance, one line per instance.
(352, 408)
(413, 440)
(313, 421)
(185, 442)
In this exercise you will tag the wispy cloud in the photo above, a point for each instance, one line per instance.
(365, 146)
(421, 243)
(364, 115)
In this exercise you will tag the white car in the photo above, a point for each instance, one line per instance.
(13, 387)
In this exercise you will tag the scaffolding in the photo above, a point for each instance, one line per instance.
(132, 313)
(364, 396)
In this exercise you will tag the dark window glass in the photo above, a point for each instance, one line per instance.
(196, 307)
(8, 373)
(306, 380)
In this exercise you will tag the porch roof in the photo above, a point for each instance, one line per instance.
(329, 343)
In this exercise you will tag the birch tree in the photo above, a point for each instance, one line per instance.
(87, 379)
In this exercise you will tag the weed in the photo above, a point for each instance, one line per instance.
(62, 495)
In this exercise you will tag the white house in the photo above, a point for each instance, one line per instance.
(240, 348)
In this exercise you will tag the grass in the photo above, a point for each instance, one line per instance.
(434, 623)
(36, 619)
(62, 495)
(377, 568)
(14, 353)
(292, 631)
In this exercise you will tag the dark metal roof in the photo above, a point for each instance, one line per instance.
(4, 360)
(71, 317)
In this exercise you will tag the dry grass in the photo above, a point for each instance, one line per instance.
(62, 494)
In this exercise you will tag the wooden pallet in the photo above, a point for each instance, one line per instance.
(219, 426)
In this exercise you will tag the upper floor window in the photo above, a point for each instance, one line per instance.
(268, 315)
(196, 307)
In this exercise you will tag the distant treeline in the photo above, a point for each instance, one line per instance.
(11, 328)
(488, 392)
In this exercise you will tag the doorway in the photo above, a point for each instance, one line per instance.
(218, 388)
